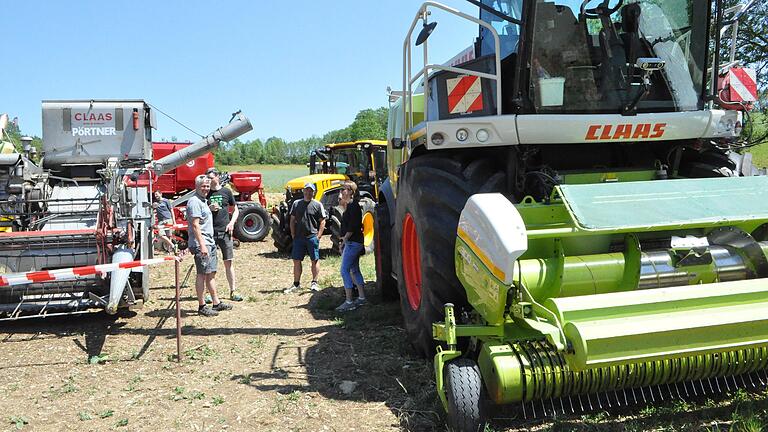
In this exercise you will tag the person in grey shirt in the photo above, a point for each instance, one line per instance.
(203, 246)
(164, 217)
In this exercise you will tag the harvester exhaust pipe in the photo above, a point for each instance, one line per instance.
(119, 279)
(238, 126)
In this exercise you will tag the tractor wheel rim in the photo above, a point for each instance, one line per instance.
(411, 262)
(368, 229)
(377, 254)
(252, 224)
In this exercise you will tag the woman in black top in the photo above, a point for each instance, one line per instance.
(351, 247)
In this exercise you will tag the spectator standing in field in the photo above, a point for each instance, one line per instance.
(307, 224)
(203, 247)
(221, 199)
(164, 217)
(351, 247)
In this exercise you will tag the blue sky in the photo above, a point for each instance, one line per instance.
(296, 68)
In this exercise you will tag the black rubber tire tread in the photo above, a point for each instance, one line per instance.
(382, 242)
(247, 209)
(702, 170)
(433, 188)
(717, 159)
(465, 394)
(334, 225)
(283, 241)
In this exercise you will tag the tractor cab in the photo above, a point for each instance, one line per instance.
(363, 162)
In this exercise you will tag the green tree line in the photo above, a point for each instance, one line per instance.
(368, 124)
(13, 134)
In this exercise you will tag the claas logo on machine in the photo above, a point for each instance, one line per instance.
(625, 131)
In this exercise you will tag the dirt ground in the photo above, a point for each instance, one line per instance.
(276, 362)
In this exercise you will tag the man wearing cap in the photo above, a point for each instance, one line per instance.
(221, 199)
(307, 224)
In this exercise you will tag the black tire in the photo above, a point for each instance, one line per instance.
(334, 225)
(466, 396)
(708, 164)
(283, 241)
(382, 242)
(432, 191)
(717, 159)
(703, 170)
(252, 224)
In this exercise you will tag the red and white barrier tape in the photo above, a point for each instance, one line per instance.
(173, 226)
(13, 279)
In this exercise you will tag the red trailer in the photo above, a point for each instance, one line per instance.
(182, 179)
(178, 184)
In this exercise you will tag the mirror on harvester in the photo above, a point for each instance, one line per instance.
(425, 32)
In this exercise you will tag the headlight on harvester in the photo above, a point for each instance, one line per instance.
(482, 135)
(462, 134)
(437, 139)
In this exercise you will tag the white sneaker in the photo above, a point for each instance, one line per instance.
(314, 287)
(346, 306)
(292, 289)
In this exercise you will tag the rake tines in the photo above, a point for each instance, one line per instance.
(645, 395)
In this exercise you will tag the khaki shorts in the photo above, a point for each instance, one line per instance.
(165, 231)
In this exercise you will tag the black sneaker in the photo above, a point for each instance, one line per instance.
(207, 311)
(222, 307)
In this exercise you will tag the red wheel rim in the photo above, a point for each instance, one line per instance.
(377, 252)
(411, 262)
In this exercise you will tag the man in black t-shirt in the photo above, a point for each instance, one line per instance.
(221, 199)
(307, 224)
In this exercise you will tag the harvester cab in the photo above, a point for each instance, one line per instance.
(567, 215)
(363, 162)
(82, 219)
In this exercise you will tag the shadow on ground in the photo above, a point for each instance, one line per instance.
(363, 357)
(93, 328)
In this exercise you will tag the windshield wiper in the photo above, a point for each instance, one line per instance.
(493, 11)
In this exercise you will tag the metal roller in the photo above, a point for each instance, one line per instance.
(539, 372)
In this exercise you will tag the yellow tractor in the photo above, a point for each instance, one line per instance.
(363, 162)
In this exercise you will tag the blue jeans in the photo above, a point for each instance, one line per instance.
(350, 265)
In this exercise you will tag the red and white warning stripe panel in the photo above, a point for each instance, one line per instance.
(743, 84)
(465, 94)
(13, 279)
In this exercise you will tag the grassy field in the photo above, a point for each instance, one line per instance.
(273, 176)
(760, 154)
